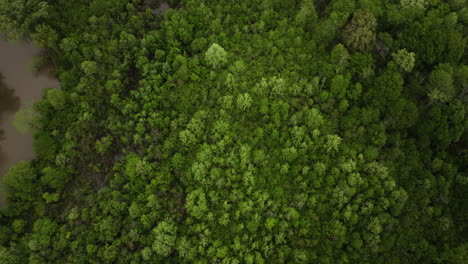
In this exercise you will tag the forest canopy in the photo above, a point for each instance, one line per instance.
(247, 131)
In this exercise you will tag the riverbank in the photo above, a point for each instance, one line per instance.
(16, 69)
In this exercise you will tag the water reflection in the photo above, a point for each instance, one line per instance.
(9, 103)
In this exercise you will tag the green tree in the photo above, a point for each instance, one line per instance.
(20, 181)
(339, 85)
(7, 256)
(54, 177)
(443, 82)
(45, 36)
(18, 18)
(385, 90)
(339, 57)
(456, 45)
(359, 34)
(307, 15)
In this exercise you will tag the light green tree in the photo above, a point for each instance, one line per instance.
(435, 95)
(404, 59)
(56, 98)
(244, 101)
(216, 56)
(165, 233)
(333, 142)
(89, 67)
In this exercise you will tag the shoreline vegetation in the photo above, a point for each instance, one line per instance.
(256, 131)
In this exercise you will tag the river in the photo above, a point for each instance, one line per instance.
(19, 88)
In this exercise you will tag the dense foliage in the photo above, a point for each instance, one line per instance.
(254, 131)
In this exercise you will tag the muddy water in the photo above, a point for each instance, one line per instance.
(19, 88)
(158, 7)
(163, 7)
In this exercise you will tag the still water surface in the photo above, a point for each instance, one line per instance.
(19, 88)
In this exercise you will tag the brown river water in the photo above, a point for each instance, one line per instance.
(19, 87)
